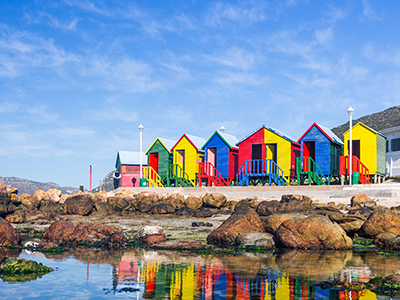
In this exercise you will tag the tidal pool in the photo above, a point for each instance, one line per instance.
(146, 274)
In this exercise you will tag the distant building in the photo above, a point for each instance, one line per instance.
(392, 150)
(128, 165)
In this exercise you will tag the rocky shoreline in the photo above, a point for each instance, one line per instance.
(48, 219)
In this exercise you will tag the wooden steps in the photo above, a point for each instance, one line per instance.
(152, 177)
(260, 171)
(208, 172)
(357, 166)
(307, 168)
(177, 176)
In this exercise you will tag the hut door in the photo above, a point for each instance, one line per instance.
(212, 158)
(153, 161)
(181, 158)
(356, 148)
(308, 151)
(256, 154)
(271, 150)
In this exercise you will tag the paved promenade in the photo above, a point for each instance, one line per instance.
(387, 194)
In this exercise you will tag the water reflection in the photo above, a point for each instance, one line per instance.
(143, 274)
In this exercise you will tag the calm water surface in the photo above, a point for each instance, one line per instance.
(143, 274)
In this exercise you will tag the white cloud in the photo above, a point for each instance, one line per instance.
(8, 107)
(230, 79)
(368, 11)
(220, 12)
(234, 57)
(324, 36)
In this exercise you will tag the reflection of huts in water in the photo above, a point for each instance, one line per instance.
(159, 278)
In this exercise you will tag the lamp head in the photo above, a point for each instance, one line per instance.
(141, 127)
(350, 111)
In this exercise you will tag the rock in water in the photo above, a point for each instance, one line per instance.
(381, 221)
(8, 234)
(178, 244)
(58, 230)
(150, 235)
(242, 221)
(21, 270)
(314, 232)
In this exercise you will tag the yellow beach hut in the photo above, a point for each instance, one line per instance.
(369, 147)
(186, 156)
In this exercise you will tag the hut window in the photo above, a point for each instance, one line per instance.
(395, 144)
(130, 169)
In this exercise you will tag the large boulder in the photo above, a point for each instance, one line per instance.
(78, 205)
(381, 221)
(6, 206)
(17, 217)
(272, 222)
(193, 202)
(294, 203)
(50, 206)
(251, 202)
(150, 235)
(359, 199)
(8, 234)
(117, 203)
(103, 208)
(214, 200)
(313, 232)
(162, 208)
(52, 195)
(57, 230)
(176, 202)
(242, 221)
(266, 208)
(350, 223)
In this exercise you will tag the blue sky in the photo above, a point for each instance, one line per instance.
(77, 77)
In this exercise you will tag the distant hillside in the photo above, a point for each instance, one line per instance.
(25, 186)
(107, 183)
(377, 121)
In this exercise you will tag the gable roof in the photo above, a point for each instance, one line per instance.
(229, 140)
(167, 144)
(326, 131)
(281, 134)
(196, 141)
(130, 158)
(249, 135)
(276, 131)
(366, 127)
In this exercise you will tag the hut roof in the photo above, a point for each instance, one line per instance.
(325, 130)
(131, 158)
(229, 139)
(278, 132)
(196, 141)
(367, 127)
(168, 144)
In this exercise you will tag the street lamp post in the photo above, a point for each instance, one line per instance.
(140, 143)
(90, 178)
(350, 112)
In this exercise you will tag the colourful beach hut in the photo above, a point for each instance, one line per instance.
(267, 155)
(128, 165)
(369, 153)
(187, 155)
(221, 159)
(159, 156)
(320, 155)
